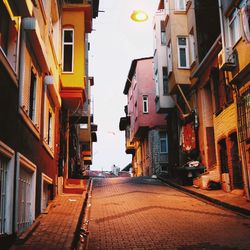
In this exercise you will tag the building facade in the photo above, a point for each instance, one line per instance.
(35, 45)
(208, 79)
(142, 124)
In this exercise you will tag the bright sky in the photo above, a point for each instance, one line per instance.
(116, 41)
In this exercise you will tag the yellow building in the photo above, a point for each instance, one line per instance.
(75, 84)
(234, 61)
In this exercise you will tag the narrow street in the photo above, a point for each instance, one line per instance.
(144, 213)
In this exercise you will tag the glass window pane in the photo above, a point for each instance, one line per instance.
(182, 41)
(68, 36)
(67, 59)
(183, 61)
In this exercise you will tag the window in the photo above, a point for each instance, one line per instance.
(163, 142)
(163, 34)
(234, 27)
(49, 135)
(165, 80)
(32, 97)
(145, 104)
(3, 177)
(49, 117)
(8, 35)
(223, 94)
(46, 183)
(68, 50)
(180, 5)
(169, 58)
(4, 27)
(183, 58)
(192, 48)
(25, 194)
(31, 92)
(245, 19)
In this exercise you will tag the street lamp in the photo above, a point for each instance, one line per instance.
(139, 16)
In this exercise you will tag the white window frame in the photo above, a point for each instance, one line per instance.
(234, 27)
(192, 48)
(180, 5)
(163, 34)
(8, 155)
(33, 100)
(73, 49)
(145, 104)
(49, 127)
(44, 179)
(30, 167)
(11, 52)
(186, 52)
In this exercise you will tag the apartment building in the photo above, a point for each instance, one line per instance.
(146, 136)
(208, 78)
(164, 102)
(37, 40)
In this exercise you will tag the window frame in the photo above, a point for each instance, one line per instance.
(33, 96)
(163, 139)
(234, 27)
(145, 106)
(165, 81)
(169, 58)
(178, 4)
(163, 34)
(73, 49)
(186, 47)
(192, 48)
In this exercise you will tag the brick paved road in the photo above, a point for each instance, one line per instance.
(146, 214)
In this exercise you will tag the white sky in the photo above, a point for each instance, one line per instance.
(115, 43)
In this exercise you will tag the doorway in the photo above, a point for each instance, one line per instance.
(236, 163)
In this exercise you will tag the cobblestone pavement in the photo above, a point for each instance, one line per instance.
(141, 213)
(57, 228)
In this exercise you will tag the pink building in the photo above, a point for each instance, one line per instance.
(145, 129)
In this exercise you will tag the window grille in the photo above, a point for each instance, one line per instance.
(3, 175)
(243, 108)
(24, 201)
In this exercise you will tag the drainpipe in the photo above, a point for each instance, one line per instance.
(222, 25)
(21, 65)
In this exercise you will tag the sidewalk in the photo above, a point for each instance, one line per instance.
(57, 228)
(233, 200)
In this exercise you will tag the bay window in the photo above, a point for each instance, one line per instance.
(183, 55)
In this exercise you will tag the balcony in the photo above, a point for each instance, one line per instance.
(73, 98)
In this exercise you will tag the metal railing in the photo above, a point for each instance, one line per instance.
(243, 109)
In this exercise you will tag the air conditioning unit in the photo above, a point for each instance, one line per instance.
(227, 59)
